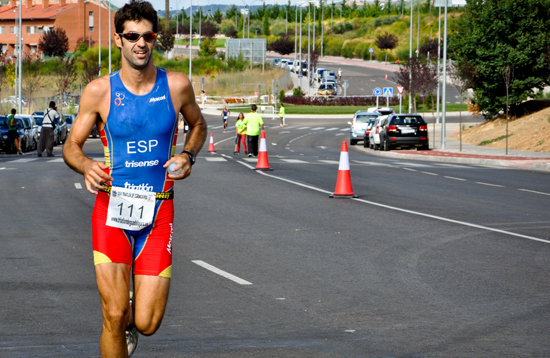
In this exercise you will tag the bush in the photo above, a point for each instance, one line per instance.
(279, 28)
(281, 96)
(341, 27)
(337, 101)
(297, 92)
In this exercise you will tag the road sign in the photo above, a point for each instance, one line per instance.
(388, 91)
(377, 91)
(202, 80)
(371, 50)
(300, 76)
(400, 89)
(345, 85)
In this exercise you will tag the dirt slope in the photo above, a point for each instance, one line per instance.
(530, 133)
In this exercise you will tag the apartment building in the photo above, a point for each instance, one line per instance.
(79, 19)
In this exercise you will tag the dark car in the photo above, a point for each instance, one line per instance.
(404, 130)
(27, 140)
(69, 119)
(6, 144)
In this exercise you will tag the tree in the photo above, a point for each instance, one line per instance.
(429, 48)
(412, 85)
(54, 43)
(492, 34)
(34, 80)
(266, 22)
(65, 75)
(218, 15)
(282, 46)
(386, 42)
(165, 40)
(90, 71)
(83, 43)
(208, 29)
(207, 48)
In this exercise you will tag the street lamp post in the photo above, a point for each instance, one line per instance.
(190, 40)
(322, 25)
(410, 59)
(20, 58)
(308, 46)
(99, 7)
(444, 91)
(295, 33)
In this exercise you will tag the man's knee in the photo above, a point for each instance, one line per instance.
(115, 317)
(147, 327)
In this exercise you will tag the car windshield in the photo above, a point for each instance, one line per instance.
(403, 120)
(38, 120)
(371, 122)
(68, 119)
(364, 118)
(3, 123)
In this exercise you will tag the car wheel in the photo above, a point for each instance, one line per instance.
(34, 145)
(365, 143)
(425, 147)
(376, 146)
(352, 142)
(386, 146)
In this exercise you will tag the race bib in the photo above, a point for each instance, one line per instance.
(130, 209)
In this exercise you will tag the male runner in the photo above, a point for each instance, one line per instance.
(225, 115)
(136, 110)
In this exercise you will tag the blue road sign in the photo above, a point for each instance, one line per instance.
(202, 80)
(377, 91)
(371, 50)
(388, 91)
(300, 76)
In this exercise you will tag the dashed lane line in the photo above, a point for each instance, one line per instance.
(222, 273)
(429, 173)
(215, 159)
(489, 184)
(295, 161)
(78, 185)
(535, 192)
(453, 178)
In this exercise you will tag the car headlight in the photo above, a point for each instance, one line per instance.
(5, 136)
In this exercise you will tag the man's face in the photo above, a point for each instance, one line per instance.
(137, 54)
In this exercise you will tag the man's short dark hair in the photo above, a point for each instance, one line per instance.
(136, 10)
(52, 104)
(13, 111)
(254, 107)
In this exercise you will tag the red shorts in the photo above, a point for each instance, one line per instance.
(151, 252)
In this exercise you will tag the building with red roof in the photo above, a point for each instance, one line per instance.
(79, 19)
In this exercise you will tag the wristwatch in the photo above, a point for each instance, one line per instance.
(192, 157)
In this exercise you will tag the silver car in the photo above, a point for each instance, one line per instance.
(374, 135)
(359, 125)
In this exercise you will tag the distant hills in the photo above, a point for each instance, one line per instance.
(213, 7)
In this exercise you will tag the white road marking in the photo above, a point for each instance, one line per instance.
(344, 130)
(407, 164)
(429, 173)
(222, 273)
(322, 147)
(294, 161)
(329, 161)
(251, 159)
(304, 127)
(58, 160)
(223, 140)
(78, 185)
(273, 143)
(331, 129)
(495, 185)
(23, 160)
(215, 159)
(284, 132)
(411, 170)
(453, 178)
(451, 165)
(317, 129)
(337, 134)
(416, 213)
(533, 191)
(373, 163)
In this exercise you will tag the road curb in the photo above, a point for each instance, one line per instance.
(530, 164)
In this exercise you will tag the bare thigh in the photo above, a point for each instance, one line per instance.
(150, 297)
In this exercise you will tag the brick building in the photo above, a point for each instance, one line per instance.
(74, 16)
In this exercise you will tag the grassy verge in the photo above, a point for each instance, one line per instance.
(219, 42)
(297, 109)
(485, 142)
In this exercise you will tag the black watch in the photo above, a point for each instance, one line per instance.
(192, 157)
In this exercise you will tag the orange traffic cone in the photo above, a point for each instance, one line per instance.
(211, 146)
(263, 163)
(386, 76)
(343, 183)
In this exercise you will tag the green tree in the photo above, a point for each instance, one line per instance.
(493, 34)
(218, 15)
(165, 40)
(266, 22)
(207, 48)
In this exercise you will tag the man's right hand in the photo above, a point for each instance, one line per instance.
(94, 175)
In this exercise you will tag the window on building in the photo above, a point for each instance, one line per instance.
(91, 21)
(33, 48)
(2, 29)
(31, 30)
(14, 30)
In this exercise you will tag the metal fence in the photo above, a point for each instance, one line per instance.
(252, 49)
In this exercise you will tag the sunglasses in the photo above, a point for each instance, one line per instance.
(134, 36)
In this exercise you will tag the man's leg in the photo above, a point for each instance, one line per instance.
(49, 142)
(113, 282)
(250, 145)
(255, 142)
(150, 297)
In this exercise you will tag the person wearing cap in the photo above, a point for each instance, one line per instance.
(253, 122)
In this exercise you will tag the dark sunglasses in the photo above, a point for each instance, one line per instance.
(134, 36)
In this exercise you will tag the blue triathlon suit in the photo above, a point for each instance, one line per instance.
(138, 138)
(225, 113)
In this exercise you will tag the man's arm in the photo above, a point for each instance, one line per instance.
(182, 94)
(95, 95)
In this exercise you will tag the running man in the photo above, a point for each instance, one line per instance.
(339, 74)
(225, 115)
(136, 110)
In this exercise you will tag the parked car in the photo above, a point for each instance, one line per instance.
(12, 100)
(276, 61)
(381, 110)
(31, 130)
(318, 76)
(366, 138)
(6, 143)
(404, 130)
(61, 129)
(374, 135)
(69, 119)
(284, 64)
(359, 124)
(65, 99)
(326, 90)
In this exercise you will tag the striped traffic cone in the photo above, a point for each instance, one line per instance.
(263, 162)
(343, 182)
(211, 146)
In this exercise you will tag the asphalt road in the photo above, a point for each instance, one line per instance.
(432, 259)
